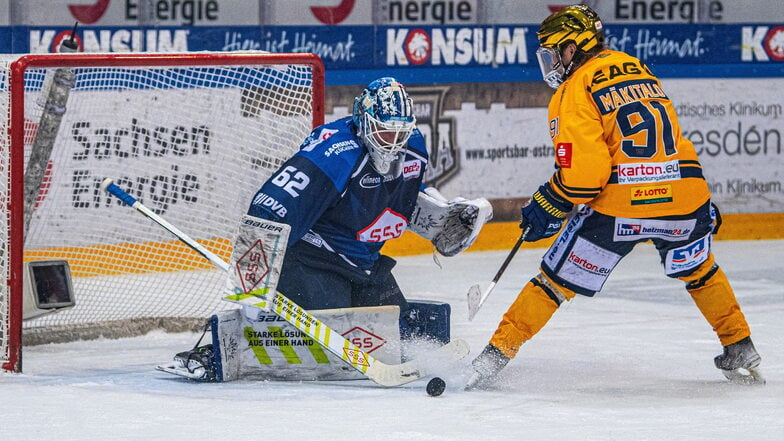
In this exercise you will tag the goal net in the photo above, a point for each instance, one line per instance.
(191, 135)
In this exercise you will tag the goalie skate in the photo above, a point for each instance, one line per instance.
(196, 364)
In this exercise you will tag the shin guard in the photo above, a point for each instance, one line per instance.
(425, 319)
(532, 309)
(713, 295)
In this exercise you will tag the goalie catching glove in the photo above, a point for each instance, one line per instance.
(451, 226)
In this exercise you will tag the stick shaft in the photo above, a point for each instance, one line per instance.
(486, 294)
(131, 201)
(475, 303)
(509, 257)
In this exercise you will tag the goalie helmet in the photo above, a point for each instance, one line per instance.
(576, 24)
(384, 118)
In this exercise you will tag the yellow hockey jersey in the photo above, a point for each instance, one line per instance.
(618, 144)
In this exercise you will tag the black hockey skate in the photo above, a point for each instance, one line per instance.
(740, 363)
(486, 366)
(197, 364)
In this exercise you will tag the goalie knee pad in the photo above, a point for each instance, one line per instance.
(424, 319)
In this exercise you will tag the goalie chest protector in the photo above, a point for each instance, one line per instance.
(330, 193)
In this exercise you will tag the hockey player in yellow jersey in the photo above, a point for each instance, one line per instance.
(620, 156)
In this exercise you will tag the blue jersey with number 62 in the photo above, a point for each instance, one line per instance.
(333, 198)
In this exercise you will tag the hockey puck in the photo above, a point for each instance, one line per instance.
(436, 387)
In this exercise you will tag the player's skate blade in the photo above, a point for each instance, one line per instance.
(750, 376)
(486, 367)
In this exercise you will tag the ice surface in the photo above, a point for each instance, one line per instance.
(633, 363)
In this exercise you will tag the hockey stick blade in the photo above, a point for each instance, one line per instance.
(395, 375)
(475, 301)
(375, 370)
(474, 295)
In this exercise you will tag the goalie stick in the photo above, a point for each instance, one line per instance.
(475, 298)
(55, 92)
(375, 370)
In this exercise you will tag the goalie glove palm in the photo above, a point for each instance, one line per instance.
(455, 236)
(544, 214)
(451, 226)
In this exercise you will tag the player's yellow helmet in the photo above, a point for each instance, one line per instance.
(577, 23)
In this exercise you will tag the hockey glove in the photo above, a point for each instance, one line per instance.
(463, 222)
(451, 226)
(544, 214)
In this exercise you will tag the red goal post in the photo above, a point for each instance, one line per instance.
(193, 135)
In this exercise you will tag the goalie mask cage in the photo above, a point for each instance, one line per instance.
(191, 135)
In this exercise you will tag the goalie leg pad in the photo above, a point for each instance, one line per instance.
(426, 320)
(269, 348)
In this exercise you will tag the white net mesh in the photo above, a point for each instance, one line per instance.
(192, 143)
(4, 225)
